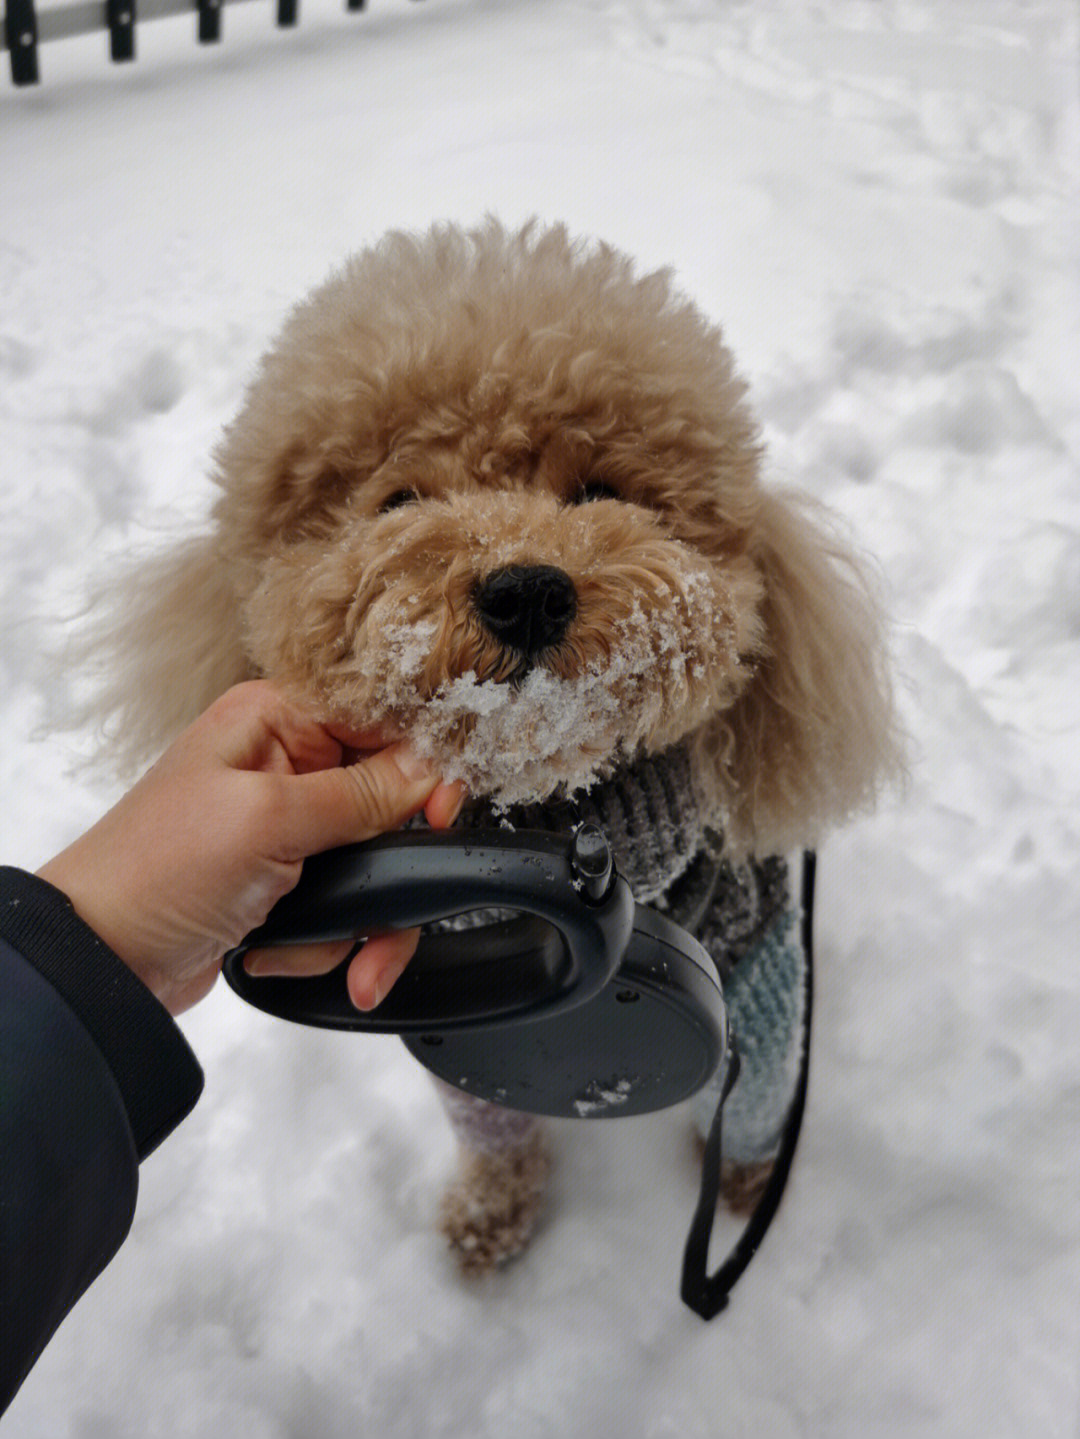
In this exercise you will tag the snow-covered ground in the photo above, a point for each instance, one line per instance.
(878, 199)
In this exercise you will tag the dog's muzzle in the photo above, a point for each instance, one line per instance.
(527, 608)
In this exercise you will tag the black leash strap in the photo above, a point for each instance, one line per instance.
(707, 1294)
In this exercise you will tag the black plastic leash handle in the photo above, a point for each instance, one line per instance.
(577, 919)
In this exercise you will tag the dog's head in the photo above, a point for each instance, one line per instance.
(498, 491)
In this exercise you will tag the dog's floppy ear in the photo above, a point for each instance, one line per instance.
(161, 640)
(812, 738)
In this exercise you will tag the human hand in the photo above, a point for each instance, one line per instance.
(196, 854)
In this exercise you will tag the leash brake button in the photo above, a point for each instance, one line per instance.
(590, 859)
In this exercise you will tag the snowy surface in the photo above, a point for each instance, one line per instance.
(877, 198)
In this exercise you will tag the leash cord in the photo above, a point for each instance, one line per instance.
(707, 1295)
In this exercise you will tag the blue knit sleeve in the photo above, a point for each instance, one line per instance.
(765, 991)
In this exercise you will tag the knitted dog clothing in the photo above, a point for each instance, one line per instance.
(743, 913)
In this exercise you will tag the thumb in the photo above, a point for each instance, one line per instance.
(356, 802)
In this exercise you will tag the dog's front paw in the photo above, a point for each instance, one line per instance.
(742, 1185)
(491, 1209)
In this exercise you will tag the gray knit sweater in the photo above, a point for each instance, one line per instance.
(743, 913)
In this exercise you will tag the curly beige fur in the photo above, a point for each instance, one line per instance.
(497, 376)
(454, 402)
(490, 1211)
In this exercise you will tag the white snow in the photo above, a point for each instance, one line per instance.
(877, 198)
(515, 744)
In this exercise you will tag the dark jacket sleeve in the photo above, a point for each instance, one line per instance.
(94, 1073)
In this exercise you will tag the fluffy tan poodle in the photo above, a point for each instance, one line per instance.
(503, 493)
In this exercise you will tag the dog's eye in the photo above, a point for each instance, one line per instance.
(595, 490)
(397, 499)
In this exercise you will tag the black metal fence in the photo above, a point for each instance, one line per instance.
(25, 27)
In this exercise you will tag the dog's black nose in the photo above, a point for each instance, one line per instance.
(528, 608)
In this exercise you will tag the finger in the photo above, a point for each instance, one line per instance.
(298, 960)
(378, 966)
(346, 805)
(444, 806)
(371, 737)
(255, 726)
(187, 995)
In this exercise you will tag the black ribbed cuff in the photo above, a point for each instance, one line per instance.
(158, 1076)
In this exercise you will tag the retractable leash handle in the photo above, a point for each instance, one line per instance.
(524, 1012)
(577, 919)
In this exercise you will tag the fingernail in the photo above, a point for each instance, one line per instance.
(459, 805)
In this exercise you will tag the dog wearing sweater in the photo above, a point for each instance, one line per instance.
(500, 492)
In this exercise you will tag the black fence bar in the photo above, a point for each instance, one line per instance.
(25, 27)
(21, 38)
(209, 21)
(120, 18)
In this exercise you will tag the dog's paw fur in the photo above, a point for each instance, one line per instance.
(491, 1209)
(741, 1185)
